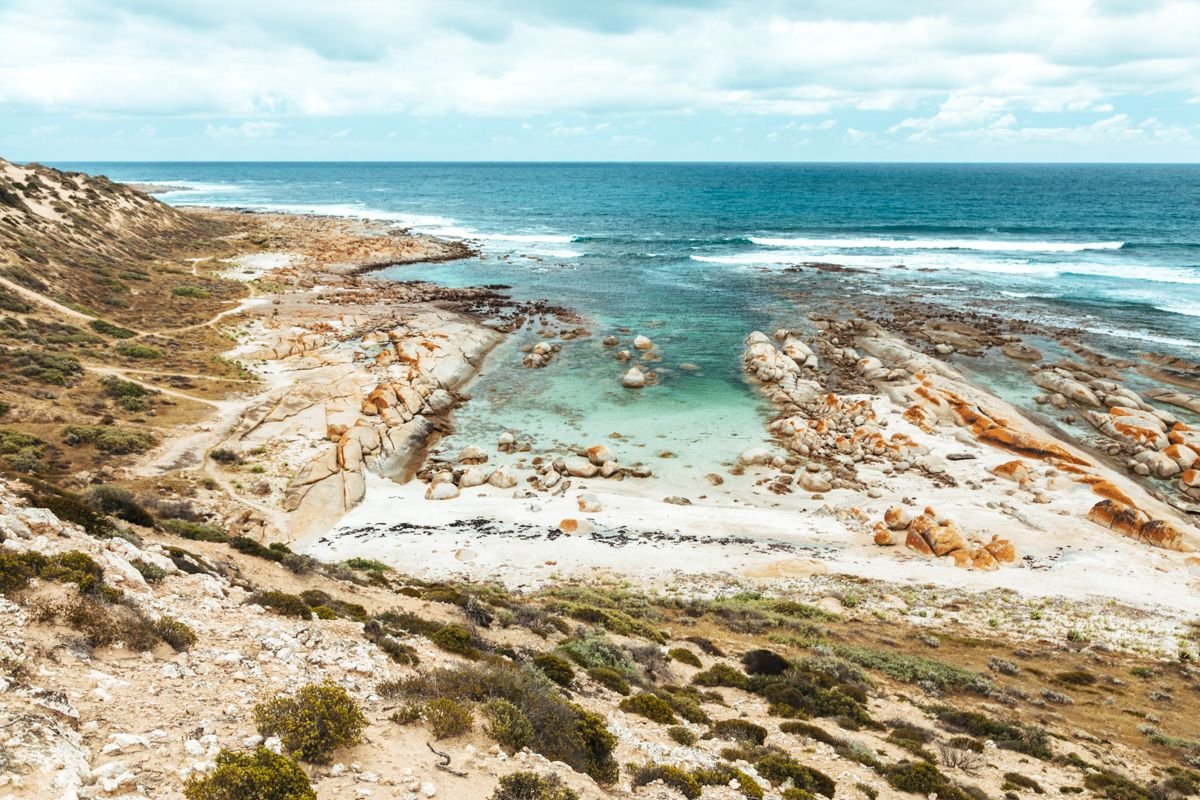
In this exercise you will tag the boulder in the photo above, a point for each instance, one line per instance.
(575, 527)
(502, 478)
(599, 453)
(1016, 471)
(507, 442)
(755, 455)
(1002, 550)
(642, 342)
(578, 467)
(916, 542)
(897, 518)
(441, 491)
(588, 503)
(472, 476)
(634, 378)
(884, 537)
(472, 455)
(815, 482)
(945, 538)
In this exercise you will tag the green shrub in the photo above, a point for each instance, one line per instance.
(610, 679)
(612, 620)
(70, 508)
(175, 633)
(681, 735)
(447, 718)
(1078, 677)
(923, 778)
(1116, 786)
(722, 675)
(11, 301)
(251, 776)
(778, 767)
(562, 731)
(674, 777)
(507, 724)
(722, 774)
(190, 291)
(17, 569)
(915, 669)
(151, 573)
(407, 714)
(73, 566)
(127, 394)
(1027, 739)
(738, 730)
(139, 351)
(42, 366)
(289, 605)
(312, 723)
(366, 565)
(196, 531)
(111, 439)
(650, 706)
(1016, 780)
(21, 451)
(685, 656)
(102, 624)
(555, 668)
(531, 786)
(454, 638)
(597, 650)
(108, 329)
(119, 502)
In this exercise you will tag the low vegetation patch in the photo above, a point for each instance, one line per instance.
(251, 776)
(559, 729)
(110, 439)
(531, 786)
(312, 723)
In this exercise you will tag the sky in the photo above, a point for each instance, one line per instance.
(693, 80)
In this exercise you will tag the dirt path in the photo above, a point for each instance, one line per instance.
(41, 299)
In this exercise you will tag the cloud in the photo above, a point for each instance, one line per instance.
(904, 72)
(251, 129)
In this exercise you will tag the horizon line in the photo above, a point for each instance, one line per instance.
(601, 162)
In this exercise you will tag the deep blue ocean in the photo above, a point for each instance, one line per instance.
(696, 255)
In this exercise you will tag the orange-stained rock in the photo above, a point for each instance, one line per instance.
(922, 525)
(945, 539)
(962, 558)
(1161, 533)
(1129, 521)
(1002, 550)
(1016, 471)
(1104, 512)
(921, 416)
(897, 518)
(916, 542)
(883, 535)
(982, 559)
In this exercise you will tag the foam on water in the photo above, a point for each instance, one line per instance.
(991, 245)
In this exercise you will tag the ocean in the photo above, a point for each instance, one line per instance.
(696, 256)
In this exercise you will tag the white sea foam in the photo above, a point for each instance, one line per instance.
(990, 245)
(947, 260)
(1143, 336)
(190, 187)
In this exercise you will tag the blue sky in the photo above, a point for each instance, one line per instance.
(1062, 80)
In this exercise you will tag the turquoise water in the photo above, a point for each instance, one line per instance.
(694, 256)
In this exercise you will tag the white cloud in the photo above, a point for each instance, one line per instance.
(251, 129)
(935, 69)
